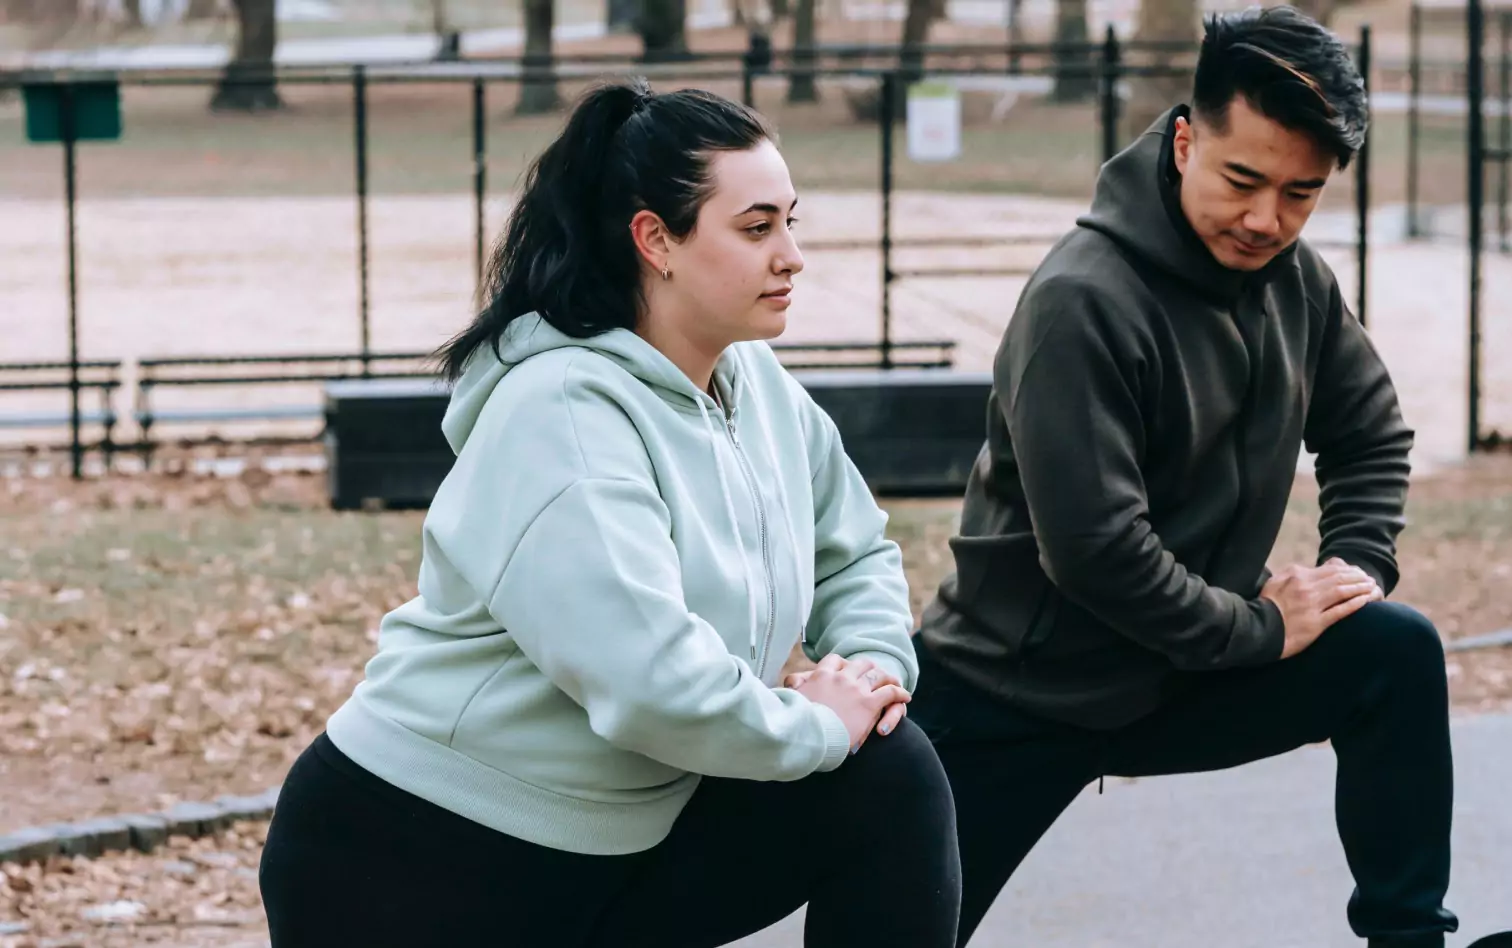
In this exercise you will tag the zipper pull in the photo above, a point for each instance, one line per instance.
(730, 423)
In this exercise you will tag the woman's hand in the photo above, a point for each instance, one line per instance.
(872, 678)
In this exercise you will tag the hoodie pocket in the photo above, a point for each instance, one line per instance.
(1000, 584)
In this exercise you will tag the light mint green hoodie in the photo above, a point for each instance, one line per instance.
(613, 574)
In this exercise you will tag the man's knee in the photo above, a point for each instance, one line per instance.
(1394, 634)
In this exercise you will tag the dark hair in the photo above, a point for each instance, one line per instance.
(1290, 69)
(566, 251)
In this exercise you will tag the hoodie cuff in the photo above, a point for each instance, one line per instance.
(837, 742)
(1272, 632)
(1363, 561)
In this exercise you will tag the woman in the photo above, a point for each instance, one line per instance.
(579, 733)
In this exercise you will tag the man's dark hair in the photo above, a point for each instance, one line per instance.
(1290, 69)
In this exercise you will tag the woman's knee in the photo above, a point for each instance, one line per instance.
(902, 773)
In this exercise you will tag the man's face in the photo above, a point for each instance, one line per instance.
(1249, 189)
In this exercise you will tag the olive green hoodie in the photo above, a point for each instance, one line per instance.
(1149, 408)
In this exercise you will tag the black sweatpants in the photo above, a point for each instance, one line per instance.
(870, 847)
(1374, 685)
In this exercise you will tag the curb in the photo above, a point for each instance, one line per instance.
(143, 832)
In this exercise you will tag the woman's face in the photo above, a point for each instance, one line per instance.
(732, 276)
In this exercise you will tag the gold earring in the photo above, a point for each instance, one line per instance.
(666, 272)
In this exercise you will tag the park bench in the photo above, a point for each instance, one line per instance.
(98, 381)
(913, 429)
(206, 373)
(314, 370)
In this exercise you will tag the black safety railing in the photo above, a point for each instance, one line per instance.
(1107, 65)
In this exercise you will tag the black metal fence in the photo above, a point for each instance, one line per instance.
(1108, 67)
(1437, 90)
(1449, 96)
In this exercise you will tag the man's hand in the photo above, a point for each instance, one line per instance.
(1312, 598)
(891, 716)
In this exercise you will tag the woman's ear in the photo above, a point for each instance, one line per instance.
(653, 242)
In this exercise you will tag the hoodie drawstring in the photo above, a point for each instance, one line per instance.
(729, 505)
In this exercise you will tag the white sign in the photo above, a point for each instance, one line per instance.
(934, 121)
(160, 12)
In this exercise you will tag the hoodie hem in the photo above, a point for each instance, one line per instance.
(498, 801)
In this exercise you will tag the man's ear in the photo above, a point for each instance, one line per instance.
(1181, 144)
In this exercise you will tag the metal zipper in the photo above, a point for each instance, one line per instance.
(766, 559)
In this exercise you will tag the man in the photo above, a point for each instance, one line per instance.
(1111, 612)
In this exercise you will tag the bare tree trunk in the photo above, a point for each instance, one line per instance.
(663, 28)
(133, 11)
(203, 10)
(1164, 21)
(1015, 26)
(539, 93)
(249, 83)
(916, 20)
(781, 10)
(40, 11)
(55, 17)
(448, 37)
(801, 85)
(1074, 79)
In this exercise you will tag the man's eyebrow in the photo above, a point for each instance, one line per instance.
(1245, 171)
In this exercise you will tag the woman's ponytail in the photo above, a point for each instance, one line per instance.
(566, 251)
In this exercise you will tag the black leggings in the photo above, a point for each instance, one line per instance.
(870, 847)
(1373, 685)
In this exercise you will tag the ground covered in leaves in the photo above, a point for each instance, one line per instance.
(178, 638)
(200, 893)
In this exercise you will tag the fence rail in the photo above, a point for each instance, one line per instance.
(1110, 63)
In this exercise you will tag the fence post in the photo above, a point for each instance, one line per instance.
(888, 106)
(360, 131)
(757, 59)
(1012, 47)
(1110, 75)
(480, 172)
(69, 132)
(1414, 91)
(1362, 192)
(1505, 128)
(1475, 150)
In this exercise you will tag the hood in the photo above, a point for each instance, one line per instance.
(1136, 204)
(531, 335)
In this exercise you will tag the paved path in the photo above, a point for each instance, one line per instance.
(1246, 858)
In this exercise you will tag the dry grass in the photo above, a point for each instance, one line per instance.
(178, 638)
(171, 639)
